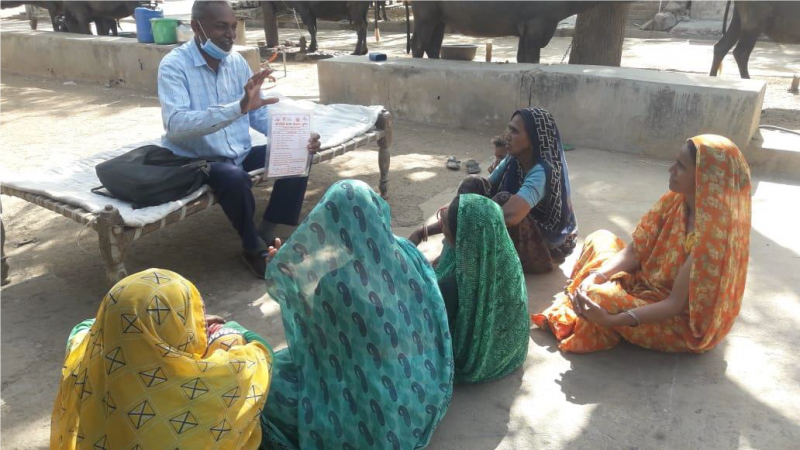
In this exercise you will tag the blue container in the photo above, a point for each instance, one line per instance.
(144, 30)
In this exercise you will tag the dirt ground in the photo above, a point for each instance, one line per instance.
(743, 394)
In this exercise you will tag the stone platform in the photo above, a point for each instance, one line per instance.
(95, 59)
(776, 152)
(619, 109)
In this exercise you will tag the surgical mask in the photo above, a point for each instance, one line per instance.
(211, 48)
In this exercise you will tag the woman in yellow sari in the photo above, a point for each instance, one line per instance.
(678, 287)
(146, 373)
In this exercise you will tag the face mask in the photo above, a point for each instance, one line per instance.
(211, 48)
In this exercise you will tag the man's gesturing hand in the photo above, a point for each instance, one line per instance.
(251, 100)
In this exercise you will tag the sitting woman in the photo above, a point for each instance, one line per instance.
(147, 374)
(484, 291)
(532, 186)
(369, 359)
(678, 287)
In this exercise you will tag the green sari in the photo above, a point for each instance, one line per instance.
(490, 330)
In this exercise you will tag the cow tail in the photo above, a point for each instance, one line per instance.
(408, 28)
(377, 30)
(725, 17)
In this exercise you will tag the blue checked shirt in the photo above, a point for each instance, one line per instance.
(200, 109)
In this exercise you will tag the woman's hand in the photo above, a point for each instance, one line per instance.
(593, 279)
(273, 250)
(213, 323)
(212, 319)
(416, 237)
(575, 302)
(591, 311)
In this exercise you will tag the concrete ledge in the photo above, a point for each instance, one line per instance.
(630, 110)
(94, 59)
(775, 152)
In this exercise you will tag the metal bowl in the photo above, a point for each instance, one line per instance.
(459, 52)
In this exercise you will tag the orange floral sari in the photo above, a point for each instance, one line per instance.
(720, 245)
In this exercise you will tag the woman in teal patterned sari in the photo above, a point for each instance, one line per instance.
(369, 362)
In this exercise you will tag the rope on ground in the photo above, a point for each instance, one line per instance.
(80, 234)
(773, 127)
(569, 47)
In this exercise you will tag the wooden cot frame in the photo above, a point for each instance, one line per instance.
(115, 238)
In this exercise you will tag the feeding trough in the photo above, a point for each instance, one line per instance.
(459, 52)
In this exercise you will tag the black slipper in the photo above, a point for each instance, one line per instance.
(256, 262)
(453, 163)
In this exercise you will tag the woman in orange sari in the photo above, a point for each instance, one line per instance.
(678, 287)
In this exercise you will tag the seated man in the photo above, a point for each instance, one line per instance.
(209, 100)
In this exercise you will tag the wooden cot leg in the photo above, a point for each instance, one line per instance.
(112, 243)
(384, 154)
(384, 159)
(4, 277)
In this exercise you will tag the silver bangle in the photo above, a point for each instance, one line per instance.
(635, 317)
(597, 272)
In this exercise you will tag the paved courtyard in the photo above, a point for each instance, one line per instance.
(742, 394)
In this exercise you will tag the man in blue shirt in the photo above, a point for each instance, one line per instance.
(209, 100)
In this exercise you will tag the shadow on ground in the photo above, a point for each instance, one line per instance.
(742, 393)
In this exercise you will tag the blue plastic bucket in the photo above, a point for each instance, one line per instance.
(144, 30)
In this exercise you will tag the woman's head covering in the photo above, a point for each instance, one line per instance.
(721, 252)
(369, 357)
(554, 212)
(139, 377)
(490, 334)
(722, 223)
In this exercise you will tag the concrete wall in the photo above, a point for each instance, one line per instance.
(708, 10)
(641, 12)
(630, 110)
(97, 59)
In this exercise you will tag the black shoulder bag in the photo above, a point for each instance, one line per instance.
(150, 176)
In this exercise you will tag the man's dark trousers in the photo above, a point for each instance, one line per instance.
(233, 188)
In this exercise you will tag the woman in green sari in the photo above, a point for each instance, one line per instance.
(369, 362)
(483, 286)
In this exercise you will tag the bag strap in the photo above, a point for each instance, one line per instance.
(101, 190)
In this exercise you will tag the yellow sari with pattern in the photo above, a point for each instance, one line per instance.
(143, 376)
(720, 245)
